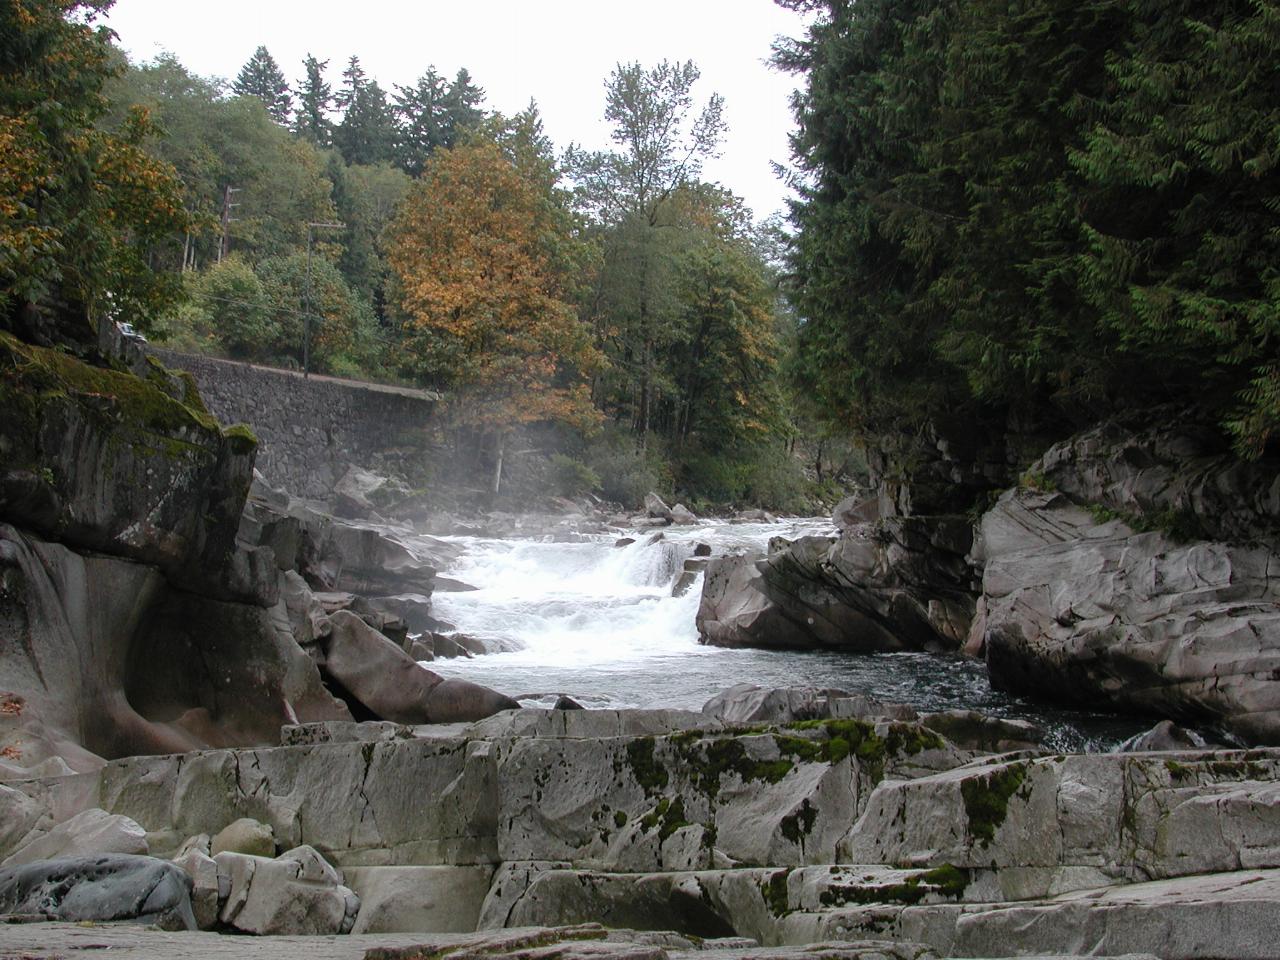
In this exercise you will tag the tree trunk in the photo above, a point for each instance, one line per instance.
(497, 463)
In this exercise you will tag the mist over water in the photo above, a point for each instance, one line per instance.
(598, 622)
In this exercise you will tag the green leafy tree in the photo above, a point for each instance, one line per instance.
(366, 199)
(486, 313)
(661, 145)
(234, 310)
(261, 77)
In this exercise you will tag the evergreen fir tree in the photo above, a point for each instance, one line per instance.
(261, 78)
(367, 133)
(311, 122)
(422, 121)
(462, 107)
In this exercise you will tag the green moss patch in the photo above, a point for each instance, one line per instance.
(946, 881)
(32, 376)
(986, 800)
(797, 826)
(774, 891)
(649, 773)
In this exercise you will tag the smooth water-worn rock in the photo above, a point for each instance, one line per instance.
(1052, 824)
(86, 834)
(694, 800)
(246, 836)
(205, 889)
(131, 467)
(99, 889)
(425, 899)
(749, 703)
(1172, 468)
(1083, 611)
(1166, 735)
(830, 828)
(903, 584)
(391, 685)
(112, 659)
(296, 893)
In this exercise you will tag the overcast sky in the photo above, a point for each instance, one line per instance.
(558, 52)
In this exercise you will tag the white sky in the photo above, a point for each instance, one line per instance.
(558, 52)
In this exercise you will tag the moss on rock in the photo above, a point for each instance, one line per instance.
(986, 799)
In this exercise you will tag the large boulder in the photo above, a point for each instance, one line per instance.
(113, 659)
(748, 703)
(388, 683)
(133, 467)
(1084, 609)
(1168, 468)
(87, 833)
(423, 899)
(100, 889)
(298, 893)
(903, 584)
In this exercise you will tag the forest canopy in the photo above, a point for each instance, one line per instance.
(617, 299)
(1040, 209)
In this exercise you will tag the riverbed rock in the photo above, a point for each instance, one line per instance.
(21, 818)
(902, 585)
(246, 836)
(1166, 735)
(196, 863)
(655, 509)
(298, 893)
(855, 511)
(696, 799)
(682, 516)
(360, 494)
(86, 834)
(125, 466)
(1048, 825)
(387, 682)
(749, 703)
(99, 889)
(434, 899)
(1085, 611)
(1172, 468)
(827, 828)
(116, 661)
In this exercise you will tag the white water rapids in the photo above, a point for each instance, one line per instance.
(598, 623)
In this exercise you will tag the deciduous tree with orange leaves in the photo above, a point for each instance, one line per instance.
(80, 207)
(486, 302)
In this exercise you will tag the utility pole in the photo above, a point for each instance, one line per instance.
(224, 246)
(306, 306)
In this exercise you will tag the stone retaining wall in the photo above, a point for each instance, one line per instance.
(310, 430)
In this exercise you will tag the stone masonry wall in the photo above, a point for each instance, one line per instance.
(309, 430)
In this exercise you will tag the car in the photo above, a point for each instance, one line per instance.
(127, 330)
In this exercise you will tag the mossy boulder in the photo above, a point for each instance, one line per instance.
(103, 459)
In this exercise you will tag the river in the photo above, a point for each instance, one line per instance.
(598, 622)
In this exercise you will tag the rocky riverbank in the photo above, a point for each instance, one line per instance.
(849, 826)
(210, 721)
(1133, 568)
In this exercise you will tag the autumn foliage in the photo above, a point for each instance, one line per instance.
(79, 207)
(487, 313)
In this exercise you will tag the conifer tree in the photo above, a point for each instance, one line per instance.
(422, 120)
(260, 77)
(367, 133)
(311, 122)
(462, 107)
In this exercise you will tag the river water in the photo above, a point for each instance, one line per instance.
(599, 623)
